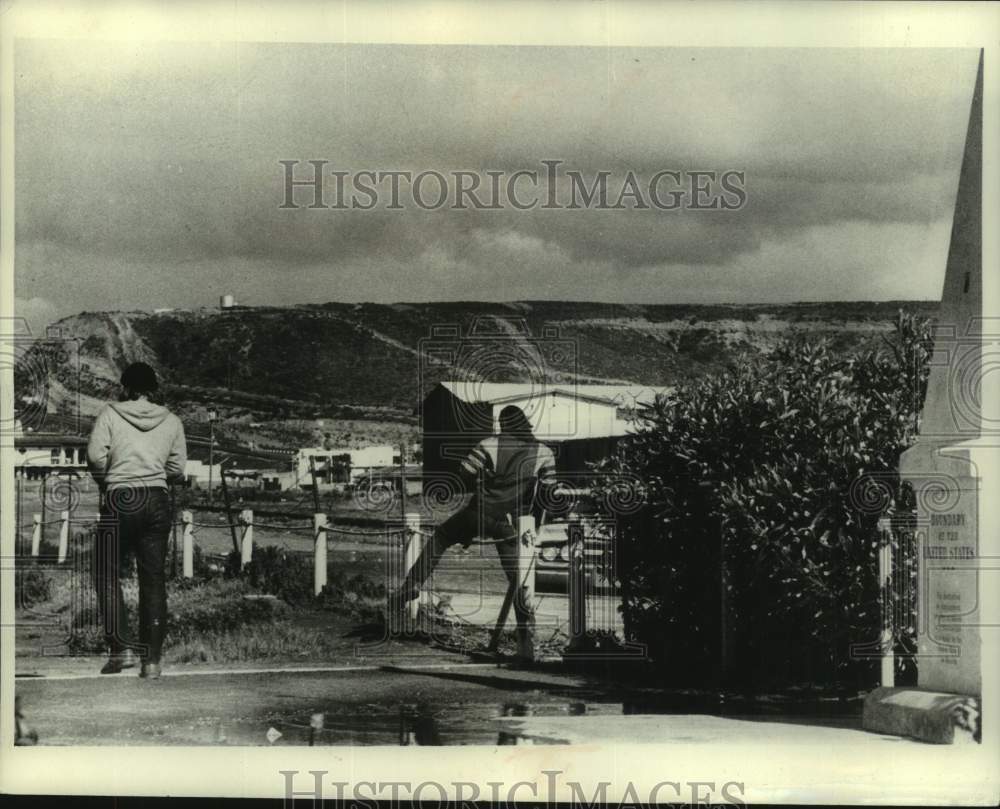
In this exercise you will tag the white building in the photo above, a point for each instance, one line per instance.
(341, 467)
(584, 421)
(196, 473)
(557, 412)
(37, 455)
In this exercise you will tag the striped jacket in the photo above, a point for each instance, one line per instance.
(507, 467)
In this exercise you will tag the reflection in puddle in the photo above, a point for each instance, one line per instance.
(505, 736)
(428, 724)
(418, 725)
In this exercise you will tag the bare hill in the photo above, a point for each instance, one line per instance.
(370, 363)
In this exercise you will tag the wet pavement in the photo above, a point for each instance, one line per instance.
(383, 705)
(430, 704)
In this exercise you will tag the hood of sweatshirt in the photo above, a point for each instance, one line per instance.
(141, 414)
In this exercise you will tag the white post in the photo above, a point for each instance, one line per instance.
(63, 535)
(246, 546)
(36, 534)
(319, 557)
(525, 593)
(415, 542)
(188, 542)
(885, 584)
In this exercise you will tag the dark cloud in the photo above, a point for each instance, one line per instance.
(163, 158)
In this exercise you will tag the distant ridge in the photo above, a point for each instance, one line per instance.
(372, 361)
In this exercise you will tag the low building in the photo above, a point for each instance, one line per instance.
(582, 423)
(276, 480)
(242, 479)
(197, 475)
(340, 468)
(37, 455)
(264, 480)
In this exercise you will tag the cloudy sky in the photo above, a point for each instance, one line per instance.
(147, 174)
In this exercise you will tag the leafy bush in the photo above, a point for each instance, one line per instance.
(357, 596)
(206, 567)
(775, 472)
(289, 576)
(32, 585)
(218, 607)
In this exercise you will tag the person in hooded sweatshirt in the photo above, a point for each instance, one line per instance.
(136, 450)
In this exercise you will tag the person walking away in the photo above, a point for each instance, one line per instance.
(136, 449)
(505, 472)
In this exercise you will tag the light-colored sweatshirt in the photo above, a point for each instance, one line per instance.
(136, 443)
(508, 467)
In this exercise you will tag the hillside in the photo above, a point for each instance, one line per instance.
(362, 368)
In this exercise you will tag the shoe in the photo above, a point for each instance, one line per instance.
(151, 671)
(117, 662)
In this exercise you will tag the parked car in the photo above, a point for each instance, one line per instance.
(553, 547)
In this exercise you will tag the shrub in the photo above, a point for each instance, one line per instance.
(275, 570)
(356, 595)
(32, 585)
(774, 471)
(221, 606)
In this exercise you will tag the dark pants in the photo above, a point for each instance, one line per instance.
(134, 522)
(461, 528)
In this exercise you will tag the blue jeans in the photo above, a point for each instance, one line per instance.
(135, 521)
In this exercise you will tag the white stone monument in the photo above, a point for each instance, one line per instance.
(953, 535)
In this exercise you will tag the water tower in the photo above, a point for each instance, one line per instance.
(227, 301)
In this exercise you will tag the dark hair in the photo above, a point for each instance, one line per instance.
(139, 378)
(513, 420)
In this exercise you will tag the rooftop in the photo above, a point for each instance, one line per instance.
(496, 392)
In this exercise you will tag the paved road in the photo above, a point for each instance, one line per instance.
(428, 704)
(485, 705)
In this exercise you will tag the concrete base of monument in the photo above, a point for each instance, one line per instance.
(930, 716)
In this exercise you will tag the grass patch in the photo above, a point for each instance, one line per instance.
(195, 611)
(224, 615)
(263, 613)
(280, 640)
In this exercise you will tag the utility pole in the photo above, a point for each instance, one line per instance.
(315, 491)
(229, 510)
(211, 452)
(402, 478)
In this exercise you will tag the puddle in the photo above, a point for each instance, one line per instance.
(473, 723)
(408, 724)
